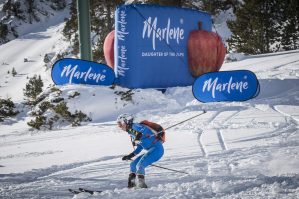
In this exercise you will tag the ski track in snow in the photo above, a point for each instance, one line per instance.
(213, 176)
(213, 173)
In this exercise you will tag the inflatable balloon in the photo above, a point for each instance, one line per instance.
(109, 49)
(206, 52)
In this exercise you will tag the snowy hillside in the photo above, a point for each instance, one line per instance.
(44, 38)
(236, 150)
(19, 18)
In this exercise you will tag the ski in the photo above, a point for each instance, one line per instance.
(89, 191)
(82, 190)
(74, 191)
(92, 192)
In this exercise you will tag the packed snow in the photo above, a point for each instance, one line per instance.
(235, 150)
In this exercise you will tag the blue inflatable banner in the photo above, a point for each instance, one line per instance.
(151, 45)
(239, 85)
(77, 71)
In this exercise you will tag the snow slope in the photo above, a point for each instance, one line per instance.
(44, 37)
(236, 150)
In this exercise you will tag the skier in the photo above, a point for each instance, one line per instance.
(146, 136)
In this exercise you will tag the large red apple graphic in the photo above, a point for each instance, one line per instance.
(109, 49)
(206, 52)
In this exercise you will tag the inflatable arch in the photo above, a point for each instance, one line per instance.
(150, 45)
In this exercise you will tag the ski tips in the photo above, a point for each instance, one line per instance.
(74, 191)
(82, 190)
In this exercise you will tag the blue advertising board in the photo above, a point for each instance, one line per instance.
(239, 85)
(77, 71)
(151, 45)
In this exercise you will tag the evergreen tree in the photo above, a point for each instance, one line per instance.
(289, 25)
(14, 13)
(255, 29)
(3, 30)
(13, 8)
(31, 7)
(71, 25)
(33, 88)
(14, 72)
(58, 4)
(102, 22)
(102, 16)
(265, 26)
(7, 109)
(215, 6)
(166, 2)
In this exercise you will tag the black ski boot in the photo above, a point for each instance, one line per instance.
(131, 180)
(141, 182)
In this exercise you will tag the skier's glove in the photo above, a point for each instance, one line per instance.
(128, 157)
(136, 142)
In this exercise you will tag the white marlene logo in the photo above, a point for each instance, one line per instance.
(211, 85)
(72, 72)
(122, 33)
(150, 30)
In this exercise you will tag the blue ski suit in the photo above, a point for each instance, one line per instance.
(147, 140)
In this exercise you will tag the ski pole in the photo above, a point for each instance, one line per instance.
(168, 169)
(153, 165)
(204, 111)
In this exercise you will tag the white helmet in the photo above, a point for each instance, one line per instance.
(125, 119)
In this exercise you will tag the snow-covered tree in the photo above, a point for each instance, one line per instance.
(14, 72)
(33, 88)
(265, 26)
(7, 109)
